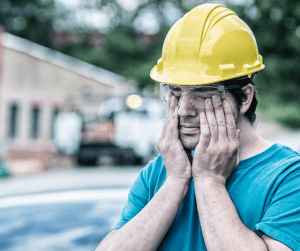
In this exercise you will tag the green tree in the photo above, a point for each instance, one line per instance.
(30, 19)
(276, 26)
(124, 51)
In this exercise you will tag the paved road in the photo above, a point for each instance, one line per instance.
(80, 178)
(70, 178)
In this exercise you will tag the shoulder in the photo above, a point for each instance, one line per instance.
(288, 151)
(153, 167)
(154, 174)
(283, 172)
(282, 157)
(288, 159)
(270, 169)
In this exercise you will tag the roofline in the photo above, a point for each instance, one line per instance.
(62, 60)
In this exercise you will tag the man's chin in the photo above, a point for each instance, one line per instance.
(189, 142)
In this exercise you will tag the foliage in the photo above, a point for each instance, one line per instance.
(30, 19)
(123, 53)
(275, 24)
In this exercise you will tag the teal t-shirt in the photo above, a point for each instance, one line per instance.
(264, 188)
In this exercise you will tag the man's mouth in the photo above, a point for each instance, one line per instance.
(189, 129)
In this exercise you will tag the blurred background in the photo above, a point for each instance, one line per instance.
(78, 109)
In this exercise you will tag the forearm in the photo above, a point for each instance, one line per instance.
(221, 225)
(148, 228)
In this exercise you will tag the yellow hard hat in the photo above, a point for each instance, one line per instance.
(207, 45)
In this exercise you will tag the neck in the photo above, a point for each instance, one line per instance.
(251, 143)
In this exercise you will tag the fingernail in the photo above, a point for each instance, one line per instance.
(202, 114)
(209, 102)
(226, 103)
(172, 100)
(217, 98)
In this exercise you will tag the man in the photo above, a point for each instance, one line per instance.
(234, 190)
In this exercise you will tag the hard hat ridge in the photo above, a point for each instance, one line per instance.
(215, 15)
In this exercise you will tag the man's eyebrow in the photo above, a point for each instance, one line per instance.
(199, 87)
(174, 87)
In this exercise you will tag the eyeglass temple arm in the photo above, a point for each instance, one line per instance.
(228, 87)
(223, 88)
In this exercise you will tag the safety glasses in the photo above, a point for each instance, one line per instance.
(195, 94)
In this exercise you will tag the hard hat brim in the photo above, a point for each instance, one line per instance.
(185, 79)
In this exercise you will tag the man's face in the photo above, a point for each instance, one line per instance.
(189, 119)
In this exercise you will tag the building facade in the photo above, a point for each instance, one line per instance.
(36, 83)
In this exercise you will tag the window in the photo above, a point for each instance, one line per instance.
(55, 112)
(35, 122)
(13, 121)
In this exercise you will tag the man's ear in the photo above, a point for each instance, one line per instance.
(249, 91)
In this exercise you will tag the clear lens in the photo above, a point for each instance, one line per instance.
(164, 92)
(196, 95)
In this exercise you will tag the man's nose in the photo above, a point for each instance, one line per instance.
(186, 108)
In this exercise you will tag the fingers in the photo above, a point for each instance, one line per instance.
(205, 131)
(238, 152)
(211, 120)
(220, 118)
(167, 118)
(230, 122)
(174, 103)
(172, 125)
(173, 135)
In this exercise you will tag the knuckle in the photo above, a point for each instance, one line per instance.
(204, 121)
(232, 150)
(212, 125)
(230, 125)
(218, 105)
(227, 110)
(221, 122)
(162, 148)
(209, 109)
(206, 135)
(223, 148)
(235, 146)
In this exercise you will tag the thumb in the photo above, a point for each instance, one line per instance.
(238, 150)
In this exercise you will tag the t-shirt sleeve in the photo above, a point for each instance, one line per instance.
(137, 200)
(281, 219)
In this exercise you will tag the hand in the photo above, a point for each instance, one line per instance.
(216, 155)
(175, 158)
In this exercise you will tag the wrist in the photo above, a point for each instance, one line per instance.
(178, 180)
(178, 184)
(210, 180)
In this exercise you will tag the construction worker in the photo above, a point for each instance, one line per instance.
(216, 185)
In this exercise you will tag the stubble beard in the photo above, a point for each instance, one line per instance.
(189, 142)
